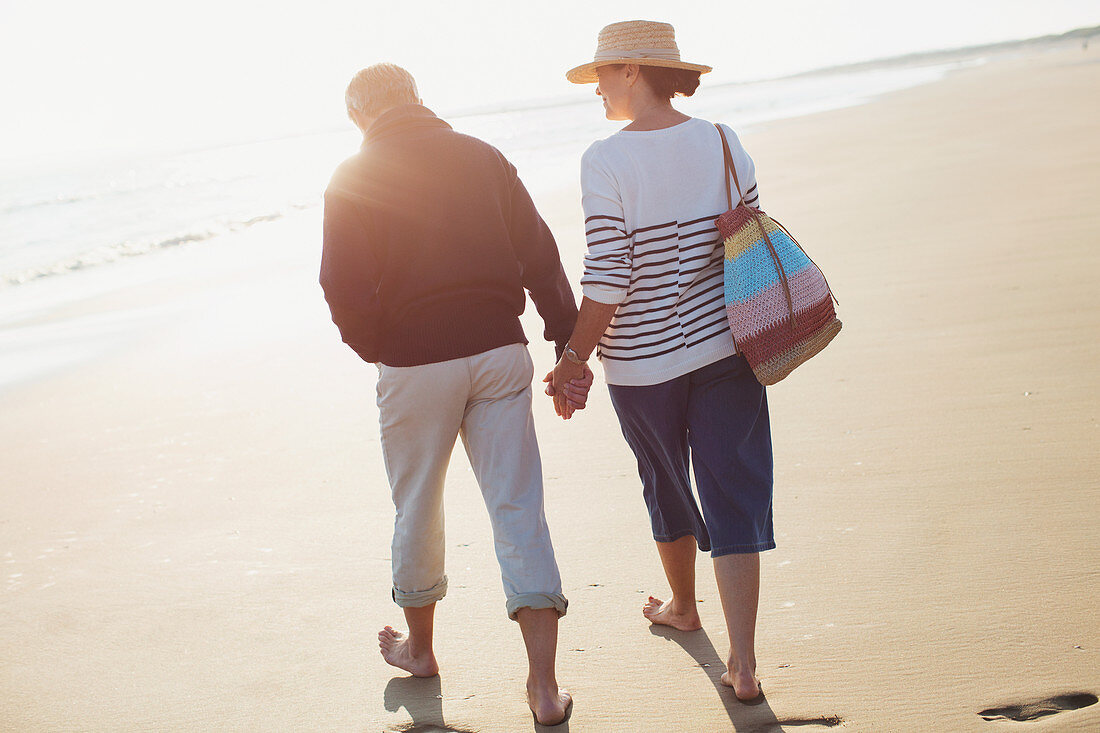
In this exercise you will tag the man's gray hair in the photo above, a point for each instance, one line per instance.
(377, 88)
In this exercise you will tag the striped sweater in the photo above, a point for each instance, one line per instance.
(650, 199)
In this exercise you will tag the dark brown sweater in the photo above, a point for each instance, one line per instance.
(430, 239)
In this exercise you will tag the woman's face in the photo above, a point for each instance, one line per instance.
(614, 89)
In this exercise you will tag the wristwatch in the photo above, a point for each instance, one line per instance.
(572, 355)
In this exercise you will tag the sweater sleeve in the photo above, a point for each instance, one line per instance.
(608, 261)
(540, 263)
(350, 275)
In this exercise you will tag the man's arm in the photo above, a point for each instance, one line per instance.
(543, 275)
(350, 275)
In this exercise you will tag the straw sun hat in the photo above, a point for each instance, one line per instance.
(634, 42)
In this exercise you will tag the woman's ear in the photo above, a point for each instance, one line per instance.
(631, 72)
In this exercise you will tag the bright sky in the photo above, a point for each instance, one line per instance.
(107, 74)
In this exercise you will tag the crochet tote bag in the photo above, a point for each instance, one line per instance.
(778, 303)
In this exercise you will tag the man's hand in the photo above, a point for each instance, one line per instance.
(573, 391)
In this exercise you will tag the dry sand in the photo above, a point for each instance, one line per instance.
(195, 532)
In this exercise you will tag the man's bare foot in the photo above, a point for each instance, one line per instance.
(745, 685)
(397, 650)
(550, 705)
(665, 614)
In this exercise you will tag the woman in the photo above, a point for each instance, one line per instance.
(654, 313)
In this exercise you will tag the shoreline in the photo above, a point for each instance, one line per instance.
(197, 524)
(776, 99)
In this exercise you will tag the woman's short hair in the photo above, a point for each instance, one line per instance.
(377, 88)
(667, 83)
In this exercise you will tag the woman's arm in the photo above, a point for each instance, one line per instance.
(592, 322)
(607, 272)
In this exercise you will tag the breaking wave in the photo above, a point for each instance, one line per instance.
(121, 250)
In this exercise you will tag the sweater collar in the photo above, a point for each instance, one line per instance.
(400, 118)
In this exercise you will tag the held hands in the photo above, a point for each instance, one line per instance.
(571, 379)
(568, 384)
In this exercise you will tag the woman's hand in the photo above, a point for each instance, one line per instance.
(568, 384)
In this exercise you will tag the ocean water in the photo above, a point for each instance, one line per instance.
(59, 221)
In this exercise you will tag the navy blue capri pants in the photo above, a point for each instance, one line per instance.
(717, 414)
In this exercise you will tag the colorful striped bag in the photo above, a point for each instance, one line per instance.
(778, 303)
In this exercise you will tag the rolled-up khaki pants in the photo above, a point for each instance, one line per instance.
(485, 398)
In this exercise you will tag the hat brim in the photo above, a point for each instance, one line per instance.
(586, 73)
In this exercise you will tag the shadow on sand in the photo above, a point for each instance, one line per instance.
(756, 717)
(423, 700)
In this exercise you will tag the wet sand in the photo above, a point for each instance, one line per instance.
(196, 525)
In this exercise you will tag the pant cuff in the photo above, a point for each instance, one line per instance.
(762, 546)
(418, 598)
(704, 544)
(537, 601)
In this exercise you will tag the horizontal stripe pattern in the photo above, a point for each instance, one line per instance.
(744, 237)
(775, 353)
(651, 200)
(675, 297)
(774, 335)
(769, 306)
(607, 262)
(754, 271)
(785, 362)
(784, 334)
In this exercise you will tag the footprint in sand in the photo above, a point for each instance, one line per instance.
(803, 724)
(1040, 708)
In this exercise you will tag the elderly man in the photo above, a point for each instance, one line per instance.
(430, 239)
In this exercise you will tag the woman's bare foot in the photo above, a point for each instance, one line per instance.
(550, 705)
(397, 650)
(745, 685)
(667, 614)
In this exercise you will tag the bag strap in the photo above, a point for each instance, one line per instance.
(731, 170)
(811, 259)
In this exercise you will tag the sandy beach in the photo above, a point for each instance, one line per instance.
(196, 521)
